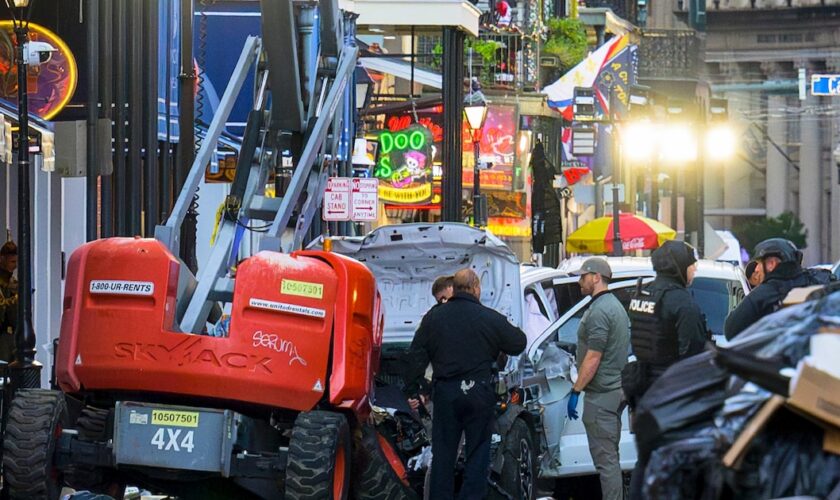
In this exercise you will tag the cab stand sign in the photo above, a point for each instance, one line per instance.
(350, 198)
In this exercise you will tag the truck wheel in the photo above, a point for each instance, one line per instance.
(519, 472)
(36, 418)
(383, 476)
(92, 425)
(319, 457)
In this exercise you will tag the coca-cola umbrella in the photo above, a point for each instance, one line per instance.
(637, 233)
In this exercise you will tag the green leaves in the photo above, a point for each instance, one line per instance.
(566, 40)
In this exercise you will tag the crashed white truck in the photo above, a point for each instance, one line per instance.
(531, 427)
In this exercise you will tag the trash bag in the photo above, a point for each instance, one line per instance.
(685, 469)
(786, 459)
(689, 392)
(764, 372)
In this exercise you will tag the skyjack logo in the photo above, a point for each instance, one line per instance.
(192, 351)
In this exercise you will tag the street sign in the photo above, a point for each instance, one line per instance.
(825, 84)
(364, 199)
(337, 199)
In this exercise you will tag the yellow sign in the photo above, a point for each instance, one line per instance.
(405, 195)
(175, 418)
(302, 289)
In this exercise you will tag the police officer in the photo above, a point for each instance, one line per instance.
(8, 300)
(462, 339)
(666, 322)
(780, 262)
(666, 325)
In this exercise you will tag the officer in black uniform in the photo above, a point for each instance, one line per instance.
(666, 325)
(462, 339)
(781, 261)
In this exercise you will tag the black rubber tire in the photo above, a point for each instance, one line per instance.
(519, 472)
(92, 425)
(378, 480)
(36, 417)
(318, 438)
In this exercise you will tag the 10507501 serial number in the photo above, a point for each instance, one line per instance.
(175, 418)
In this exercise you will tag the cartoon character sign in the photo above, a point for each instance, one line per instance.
(404, 166)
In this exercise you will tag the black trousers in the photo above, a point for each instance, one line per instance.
(461, 406)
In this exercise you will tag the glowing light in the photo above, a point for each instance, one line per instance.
(721, 142)
(678, 143)
(638, 141)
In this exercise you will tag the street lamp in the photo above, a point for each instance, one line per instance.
(25, 371)
(475, 111)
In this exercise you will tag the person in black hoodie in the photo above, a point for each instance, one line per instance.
(781, 262)
(666, 325)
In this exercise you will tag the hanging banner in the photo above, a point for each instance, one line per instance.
(405, 165)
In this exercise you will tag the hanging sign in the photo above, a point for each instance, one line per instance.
(405, 165)
(364, 199)
(337, 199)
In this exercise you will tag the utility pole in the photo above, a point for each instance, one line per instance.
(618, 249)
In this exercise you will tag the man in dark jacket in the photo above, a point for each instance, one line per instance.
(780, 260)
(666, 325)
(462, 339)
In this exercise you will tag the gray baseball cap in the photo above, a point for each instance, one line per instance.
(594, 265)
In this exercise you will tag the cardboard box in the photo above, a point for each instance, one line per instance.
(817, 393)
(739, 448)
(831, 441)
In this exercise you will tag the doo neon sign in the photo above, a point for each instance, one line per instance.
(405, 161)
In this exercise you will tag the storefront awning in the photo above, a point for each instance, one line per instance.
(402, 69)
(419, 13)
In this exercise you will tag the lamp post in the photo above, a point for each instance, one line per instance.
(25, 371)
(475, 111)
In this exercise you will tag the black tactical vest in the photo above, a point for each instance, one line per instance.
(653, 341)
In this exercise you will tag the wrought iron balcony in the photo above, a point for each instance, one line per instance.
(505, 60)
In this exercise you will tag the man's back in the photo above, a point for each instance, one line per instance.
(464, 337)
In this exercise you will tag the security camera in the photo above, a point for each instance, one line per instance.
(37, 53)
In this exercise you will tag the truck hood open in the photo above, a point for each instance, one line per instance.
(407, 258)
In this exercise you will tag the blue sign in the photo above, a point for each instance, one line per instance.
(825, 84)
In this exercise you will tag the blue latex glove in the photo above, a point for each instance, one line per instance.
(571, 409)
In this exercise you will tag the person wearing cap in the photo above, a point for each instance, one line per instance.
(781, 263)
(602, 348)
(754, 272)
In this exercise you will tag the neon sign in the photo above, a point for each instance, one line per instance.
(405, 165)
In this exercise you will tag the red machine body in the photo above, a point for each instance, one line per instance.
(304, 327)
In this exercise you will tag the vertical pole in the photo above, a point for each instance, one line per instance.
(120, 117)
(701, 181)
(618, 250)
(92, 192)
(152, 193)
(186, 98)
(107, 97)
(477, 214)
(654, 186)
(25, 370)
(453, 97)
(135, 120)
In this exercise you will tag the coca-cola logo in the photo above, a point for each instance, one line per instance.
(637, 243)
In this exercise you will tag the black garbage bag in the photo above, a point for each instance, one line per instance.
(688, 393)
(786, 459)
(685, 469)
(763, 372)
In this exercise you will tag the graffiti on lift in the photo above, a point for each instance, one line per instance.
(276, 344)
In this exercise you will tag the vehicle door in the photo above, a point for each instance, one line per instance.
(566, 442)
(546, 301)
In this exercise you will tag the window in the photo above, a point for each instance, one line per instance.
(714, 296)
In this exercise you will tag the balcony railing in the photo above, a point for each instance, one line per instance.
(511, 66)
(669, 54)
